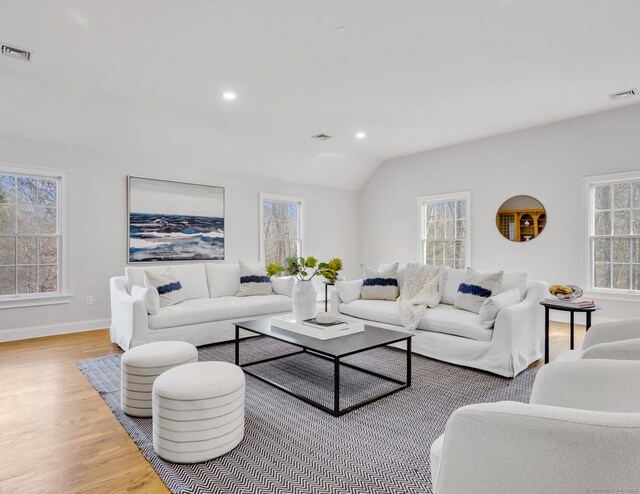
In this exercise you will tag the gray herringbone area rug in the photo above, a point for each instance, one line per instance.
(292, 447)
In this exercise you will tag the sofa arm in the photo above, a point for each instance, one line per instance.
(606, 332)
(521, 326)
(507, 447)
(128, 315)
(599, 385)
(615, 350)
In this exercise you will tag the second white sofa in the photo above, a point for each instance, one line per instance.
(456, 336)
(206, 316)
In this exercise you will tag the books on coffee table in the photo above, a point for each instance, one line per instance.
(312, 328)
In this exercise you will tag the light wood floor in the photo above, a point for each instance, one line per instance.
(58, 436)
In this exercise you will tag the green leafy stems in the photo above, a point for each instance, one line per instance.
(306, 269)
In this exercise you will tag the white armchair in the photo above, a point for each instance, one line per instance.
(618, 340)
(580, 433)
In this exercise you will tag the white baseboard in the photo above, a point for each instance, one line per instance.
(52, 329)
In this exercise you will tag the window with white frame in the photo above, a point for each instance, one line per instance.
(614, 232)
(30, 234)
(444, 229)
(281, 227)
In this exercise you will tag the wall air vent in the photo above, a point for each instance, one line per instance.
(13, 52)
(629, 93)
(321, 137)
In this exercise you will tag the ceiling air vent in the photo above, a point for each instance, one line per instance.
(12, 51)
(629, 93)
(321, 137)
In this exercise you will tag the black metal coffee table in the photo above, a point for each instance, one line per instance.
(334, 350)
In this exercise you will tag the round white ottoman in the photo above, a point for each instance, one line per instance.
(198, 411)
(140, 367)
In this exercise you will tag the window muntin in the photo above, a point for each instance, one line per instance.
(614, 235)
(444, 225)
(29, 235)
(281, 219)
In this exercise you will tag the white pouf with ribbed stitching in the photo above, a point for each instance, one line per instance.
(198, 411)
(141, 365)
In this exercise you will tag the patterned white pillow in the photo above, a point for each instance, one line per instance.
(476, 288)
(253, 281)
(380, 285)
(169, 288)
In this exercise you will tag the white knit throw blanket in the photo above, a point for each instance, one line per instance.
(422, 288)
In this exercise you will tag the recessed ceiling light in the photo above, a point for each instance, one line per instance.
(361, 135)
(341, 30)
(229, 95)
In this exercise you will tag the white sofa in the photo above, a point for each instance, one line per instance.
(456, 336)
(206, 316)
(580, 433)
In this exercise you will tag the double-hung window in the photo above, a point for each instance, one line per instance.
(444, 229)
(613, 203)
(30, 235)
(281, 227)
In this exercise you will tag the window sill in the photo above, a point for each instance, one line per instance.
(30, 301)
(622, 296)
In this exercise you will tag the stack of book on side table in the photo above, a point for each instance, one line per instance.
(575, 304)
(313, 328)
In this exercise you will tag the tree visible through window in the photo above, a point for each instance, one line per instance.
(615, 234)
(282, 229)
(444, 230)
(29, 234)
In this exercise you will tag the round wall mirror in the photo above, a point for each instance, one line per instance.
(521, 218)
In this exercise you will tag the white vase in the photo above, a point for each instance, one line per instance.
(304, 298)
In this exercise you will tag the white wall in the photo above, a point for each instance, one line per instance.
(545, 162)
(98, 221)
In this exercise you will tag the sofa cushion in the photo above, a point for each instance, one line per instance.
(494, 304)
(441, 319)
(170, 290)
(253, 281)
(192, 277)
(283, 285)
(149, 296)
(510, 279)
(476, 288)
(452, 280)
(349, 290)
(400, 274)
(204, 310)
(224, 278)
(380, 285)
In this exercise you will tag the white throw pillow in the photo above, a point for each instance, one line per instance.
(169, 288)
(494, 304)
(475, 288)
(253, 281)
(149, 296)
(452, 280)
(283, 285)
(348, 291)
(380, 285)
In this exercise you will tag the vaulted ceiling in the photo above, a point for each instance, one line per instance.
(148, 75)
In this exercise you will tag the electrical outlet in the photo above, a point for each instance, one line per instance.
(89, 300)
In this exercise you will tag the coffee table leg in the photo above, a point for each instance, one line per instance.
(336, 386)
(237, 345)
(408, 362)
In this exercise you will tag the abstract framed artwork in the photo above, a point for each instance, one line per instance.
(174, 221)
